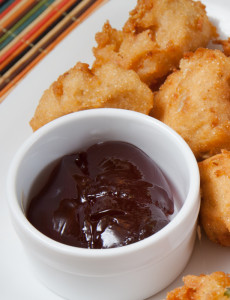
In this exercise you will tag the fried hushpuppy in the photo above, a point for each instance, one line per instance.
(80, 88)
(225, 45)
(195, 102)
(155, 37)
(204, 287)
(215, 197)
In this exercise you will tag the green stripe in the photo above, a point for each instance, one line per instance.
(6, 5)
(25, 21)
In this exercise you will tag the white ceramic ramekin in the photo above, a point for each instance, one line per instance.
(136, 271)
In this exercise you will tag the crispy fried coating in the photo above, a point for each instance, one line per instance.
(225, 45)
(203, 287)
(80, 88)
(155, 37)
(195, 102)
(215, 197)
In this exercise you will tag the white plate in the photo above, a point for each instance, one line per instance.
(16, 279)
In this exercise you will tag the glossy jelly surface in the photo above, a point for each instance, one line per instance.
(107, 196)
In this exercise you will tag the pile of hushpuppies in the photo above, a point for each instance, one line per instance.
(160, 64)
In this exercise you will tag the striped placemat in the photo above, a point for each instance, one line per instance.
(29, 29)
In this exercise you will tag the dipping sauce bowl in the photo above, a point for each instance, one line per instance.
(132, 272)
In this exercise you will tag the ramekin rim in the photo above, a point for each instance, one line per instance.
(193, 192)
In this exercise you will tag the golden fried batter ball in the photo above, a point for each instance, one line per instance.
(80, 88)
(204, 287)
(155, 37)
(225, 45)
(195, 102)
(215, 197)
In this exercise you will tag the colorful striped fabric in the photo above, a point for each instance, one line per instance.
(29, 29)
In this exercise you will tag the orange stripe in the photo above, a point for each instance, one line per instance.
(79, 20)
(19, 10)
(40, 45)
(13, 11)
(29, 27)
(44, 43)
(34, 32)
(9, 8)
(5, 91)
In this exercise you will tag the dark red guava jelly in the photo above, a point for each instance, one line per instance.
(108, 196)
